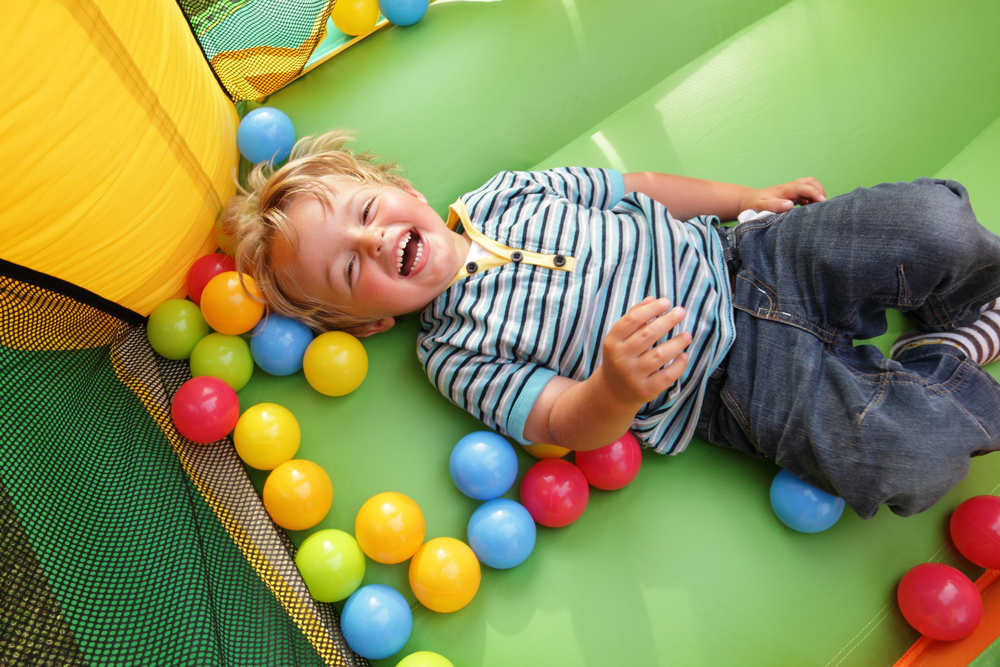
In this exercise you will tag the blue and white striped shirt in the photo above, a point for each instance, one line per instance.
(573, 254)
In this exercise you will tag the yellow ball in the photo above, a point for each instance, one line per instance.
(425, 659)
(335, 363)
(445, 574)
(297, 494)
(389, 527)
(540, 450)
(266, 436)
(355, 17)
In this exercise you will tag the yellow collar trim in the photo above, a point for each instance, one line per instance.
(501, 254)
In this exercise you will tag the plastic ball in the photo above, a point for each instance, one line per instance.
(265, 134)
(403, 12)
(554, 492)
(175, 327)
(975, 530)
(331, 564)
(501, 533)
(205, 409)
(444, 574)
(355, 17)
(376, 621)
(801, 506)
(483, 465)
(541, 450)
(390, 527)
(297, 494)
(224, 357)
(279, 343)
(227, 307)
(266, 435)
(204, 269)
(939, 601)
(612, 466)
(425, 659)
(335, 363)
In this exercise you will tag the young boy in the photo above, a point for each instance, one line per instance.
(568, 306)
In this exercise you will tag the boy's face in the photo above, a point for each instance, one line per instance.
(374, 251)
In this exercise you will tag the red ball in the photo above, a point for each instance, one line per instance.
(612, 466)
(204, 269)
(975, 530)
(939, 601)
(554, 492)
(205, 409)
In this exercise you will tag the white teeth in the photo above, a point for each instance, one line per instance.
(399, 252)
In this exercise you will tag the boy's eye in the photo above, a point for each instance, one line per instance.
(350, 272)
(366, 212)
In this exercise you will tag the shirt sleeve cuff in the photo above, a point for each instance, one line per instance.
(525, 401)
(617, 186)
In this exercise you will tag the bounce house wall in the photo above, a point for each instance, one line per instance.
(119, 146)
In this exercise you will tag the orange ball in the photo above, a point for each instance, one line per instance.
(389, 527)
(227, 307)
(297, 494)
(444, 574)
(541, 450)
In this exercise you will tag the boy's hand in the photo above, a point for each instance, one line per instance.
(782, 197)
(635, 368)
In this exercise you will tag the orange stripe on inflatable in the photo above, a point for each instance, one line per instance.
(927, 652)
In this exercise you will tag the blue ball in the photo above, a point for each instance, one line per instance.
(803, 507)
(501, 533)
(483, 465)
(403, 12)
(279, 343)
(376, 621)
(264, 134)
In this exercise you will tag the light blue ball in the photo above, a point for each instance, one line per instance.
(279, 343)
(803, 507)
(502, 533)
(265, 133)
(403, 12)
(376, 621)
(483, 465)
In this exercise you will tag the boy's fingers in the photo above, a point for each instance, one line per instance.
(653, 331)
(665, 377)
(637, 317)
(665, 352)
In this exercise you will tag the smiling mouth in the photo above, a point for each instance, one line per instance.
(410, 250)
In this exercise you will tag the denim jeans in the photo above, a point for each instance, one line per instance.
(795, 390)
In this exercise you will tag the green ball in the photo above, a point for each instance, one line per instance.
(425, 659)
(225, 357)
(331, 563)
(175, 327)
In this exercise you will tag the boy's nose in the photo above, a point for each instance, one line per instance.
(373, 240)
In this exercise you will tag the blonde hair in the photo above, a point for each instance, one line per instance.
(256, 218)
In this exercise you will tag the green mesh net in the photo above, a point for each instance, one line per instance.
(257, 46)
(121, 542)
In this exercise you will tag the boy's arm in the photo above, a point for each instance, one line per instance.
(597, 411)
(687, 197)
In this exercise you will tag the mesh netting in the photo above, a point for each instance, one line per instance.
(257, 46)
(121, 542)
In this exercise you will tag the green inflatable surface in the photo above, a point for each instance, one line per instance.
(687, 565)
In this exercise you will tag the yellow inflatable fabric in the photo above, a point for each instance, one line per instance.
(119, 146)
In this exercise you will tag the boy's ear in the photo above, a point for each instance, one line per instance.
(413, 191)
(369, 328)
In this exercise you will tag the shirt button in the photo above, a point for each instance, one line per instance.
(516, 256)
(471, 267)
(558, 260)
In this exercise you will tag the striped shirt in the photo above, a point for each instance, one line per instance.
(571, 254)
